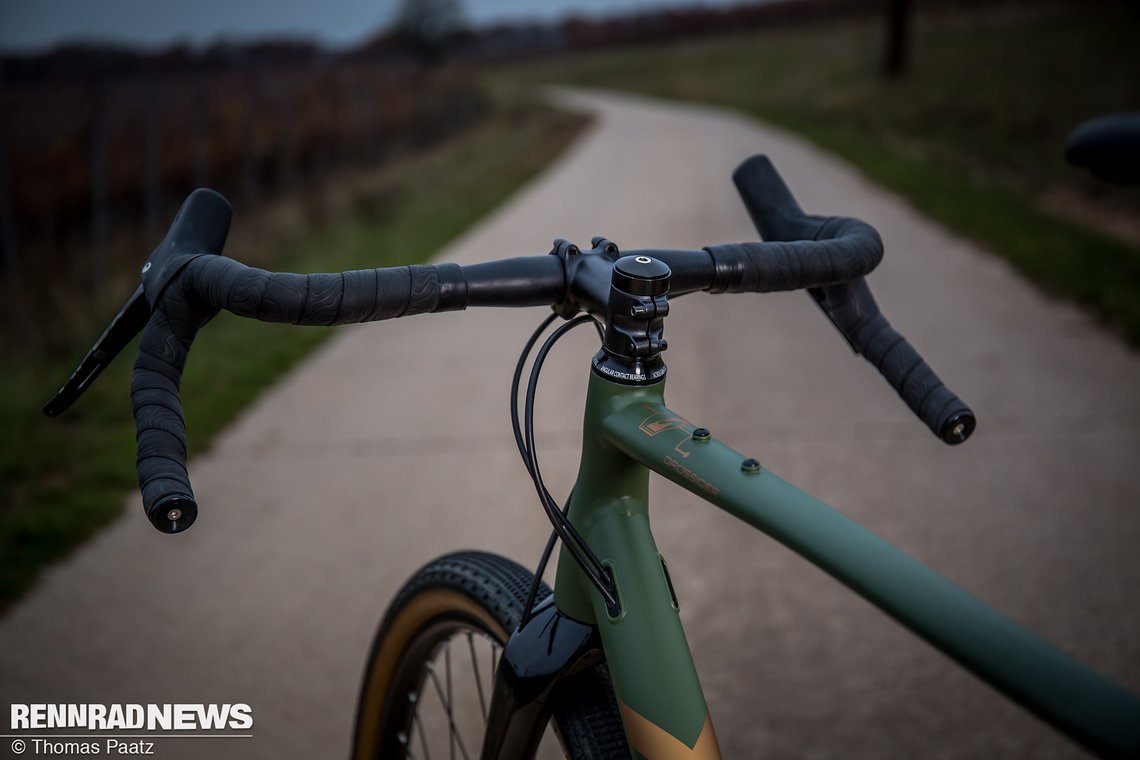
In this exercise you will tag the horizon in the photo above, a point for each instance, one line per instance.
(37, 26)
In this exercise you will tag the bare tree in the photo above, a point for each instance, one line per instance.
(898, 33)
(428, 25)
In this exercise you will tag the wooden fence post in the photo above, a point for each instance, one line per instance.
(153, 192)
(200, 138)
(7, 219)
(98, 186)
(252, 141)
(367, 106)
(287, 137)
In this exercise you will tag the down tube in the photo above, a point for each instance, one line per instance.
(1088, 707)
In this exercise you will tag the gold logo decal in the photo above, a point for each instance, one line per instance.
(691, 476)
(659, 422)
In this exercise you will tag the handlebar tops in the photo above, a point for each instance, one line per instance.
(186, 281)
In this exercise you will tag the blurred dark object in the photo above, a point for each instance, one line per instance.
(898, 38)
(1109, 147)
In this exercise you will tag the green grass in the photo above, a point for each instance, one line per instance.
(973, 135)
(62, 479)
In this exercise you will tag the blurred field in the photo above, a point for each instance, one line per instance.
(61, 479)
(973, 135)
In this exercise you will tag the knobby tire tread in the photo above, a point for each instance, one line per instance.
(584, 710)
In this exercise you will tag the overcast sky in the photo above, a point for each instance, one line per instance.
(33, 24)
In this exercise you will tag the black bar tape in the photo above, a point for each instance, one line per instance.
(830, 257)
(851, 249)
(207, 283)
(853, 310)
(366, 295)
(911, 377)
(160, 426)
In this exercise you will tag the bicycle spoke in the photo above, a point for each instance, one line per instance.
(447, 708)
(478, 680)
(456, 705)
(415, 700)
(423, 737)
(447, 670)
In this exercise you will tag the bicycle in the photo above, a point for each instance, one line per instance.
(602, 658)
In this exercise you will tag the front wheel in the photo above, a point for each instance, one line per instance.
(428, 683)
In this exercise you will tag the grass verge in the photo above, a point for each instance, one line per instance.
(973, 136)
(60, 480)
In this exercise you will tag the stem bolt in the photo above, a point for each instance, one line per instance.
(701, 434)
(750, 465)
(174, 515)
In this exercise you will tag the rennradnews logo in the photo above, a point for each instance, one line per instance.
(133, 717)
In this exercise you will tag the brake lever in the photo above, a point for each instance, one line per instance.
(199, 228)
(125, 326)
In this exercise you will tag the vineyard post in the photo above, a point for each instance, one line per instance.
(252, 139)
(152, 98)
(7, 218)
(287, 137)
(201, 136)
(99, 210)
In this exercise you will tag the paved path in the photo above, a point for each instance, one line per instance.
(391, 445)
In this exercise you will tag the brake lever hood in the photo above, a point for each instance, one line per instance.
(199, 228)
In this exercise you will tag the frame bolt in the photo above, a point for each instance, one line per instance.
(174, 515)
(701, 434)
(750, 465)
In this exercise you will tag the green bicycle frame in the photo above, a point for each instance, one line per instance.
(629, 431)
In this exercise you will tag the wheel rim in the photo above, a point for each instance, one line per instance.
(445, 691)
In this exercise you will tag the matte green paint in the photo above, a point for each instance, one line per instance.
(648, 655)
(1077, 700)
